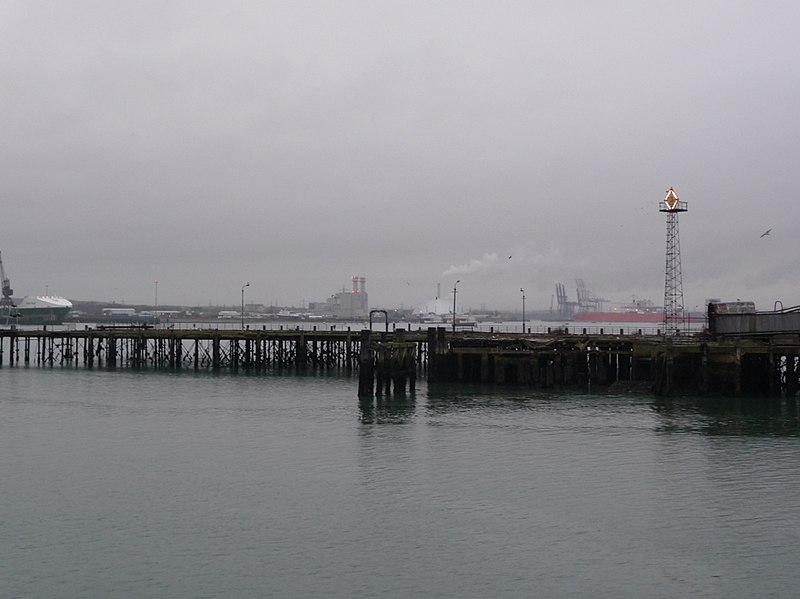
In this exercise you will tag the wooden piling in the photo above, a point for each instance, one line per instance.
(366, 367)
(301, 353)
(702, 365)
(215, 353)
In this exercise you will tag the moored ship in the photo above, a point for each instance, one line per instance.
(39, 309)
(589, 308)
(621, 316)
(635, 313)
(639, 310)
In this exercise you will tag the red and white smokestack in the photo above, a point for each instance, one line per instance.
(363, 282)
(355, 284)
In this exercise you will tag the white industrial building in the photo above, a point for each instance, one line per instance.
(353, 304)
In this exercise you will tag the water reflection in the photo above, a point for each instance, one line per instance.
(488, 398)
(712, 416)
(392, 409)
(721, 416)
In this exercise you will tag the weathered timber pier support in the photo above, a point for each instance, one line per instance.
(175, 349)
(388, 362)
(387, 366)
(697, 364)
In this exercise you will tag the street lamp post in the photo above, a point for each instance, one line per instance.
(455, 292)
(243, 286)
(523, 309)
(156, 298)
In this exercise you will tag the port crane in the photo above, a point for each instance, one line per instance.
(587, 301)
(565, 307)
(7, 299)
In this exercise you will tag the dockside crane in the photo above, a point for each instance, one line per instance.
(586, 299)
(7, 299)
(565, 307)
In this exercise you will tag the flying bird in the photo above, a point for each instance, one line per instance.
(765, 233)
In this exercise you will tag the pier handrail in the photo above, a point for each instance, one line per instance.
(385, 316)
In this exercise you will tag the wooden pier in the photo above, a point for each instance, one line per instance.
(389, 362)
(666, 365)
(296, 350)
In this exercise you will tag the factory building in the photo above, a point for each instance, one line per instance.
(353, 304)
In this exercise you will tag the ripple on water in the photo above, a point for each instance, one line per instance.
(200, 485)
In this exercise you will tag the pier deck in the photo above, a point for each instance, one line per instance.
(767, 365)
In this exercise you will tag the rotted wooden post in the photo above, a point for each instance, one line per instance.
(705, 375)
(349, 353)
(301, 353)
(669, 365)
(11, 343)
(383, 379)
(737, 372)
(172, 351)
(111, 354)
(791, 385)
(178, 351)
(411, 367)
(215, 353)
(366, 367)
(438, 371)
(400, 361)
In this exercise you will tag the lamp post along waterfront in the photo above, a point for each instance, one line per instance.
(455, 292)
(523, 309)
(243, 286)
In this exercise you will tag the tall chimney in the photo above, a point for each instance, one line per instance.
(363, 282)
(355, 284)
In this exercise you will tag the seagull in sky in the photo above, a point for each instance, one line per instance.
(765, 233)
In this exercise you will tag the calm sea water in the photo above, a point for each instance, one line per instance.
(128, 484)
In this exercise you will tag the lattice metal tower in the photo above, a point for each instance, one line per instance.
(673, 279)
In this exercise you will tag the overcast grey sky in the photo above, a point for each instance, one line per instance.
(295, 144)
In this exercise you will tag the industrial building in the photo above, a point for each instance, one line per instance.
(353, 304)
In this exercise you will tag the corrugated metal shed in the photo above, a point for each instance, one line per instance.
(760, 323)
